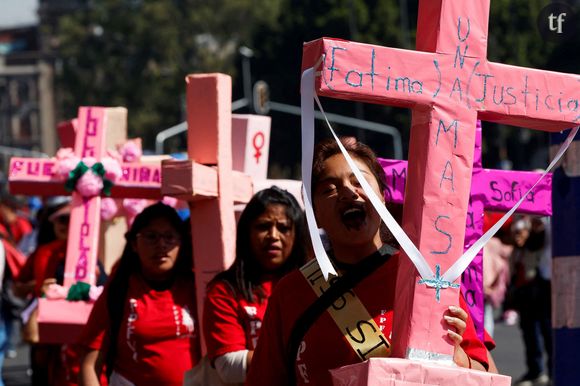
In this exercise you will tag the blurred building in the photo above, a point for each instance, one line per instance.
(26, 95)
(28, 99)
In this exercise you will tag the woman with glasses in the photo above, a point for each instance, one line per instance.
(269, 244)
(142, 326)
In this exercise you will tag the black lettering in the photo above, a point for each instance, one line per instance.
(492, 186)
(446, 129)
(508, 92)
(456, 87)
(372, 73)
(449, 238)
(445, 177)
(470, 298)
(332, 68)
(383, 342)
(360, 78)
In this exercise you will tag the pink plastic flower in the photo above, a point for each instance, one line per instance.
(131, 150)
(171, 201)
(109, 208)
(133, 207)
(66, 161)
(95, 292)
(113, 170)
(89, 184)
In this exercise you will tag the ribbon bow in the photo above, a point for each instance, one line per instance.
(78, 291)
(81, 168)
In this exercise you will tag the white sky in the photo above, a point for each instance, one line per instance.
(14, 13)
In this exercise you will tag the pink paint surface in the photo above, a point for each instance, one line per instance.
(400, 372)
(448, 84)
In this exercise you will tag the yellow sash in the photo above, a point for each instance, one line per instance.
(351, 317)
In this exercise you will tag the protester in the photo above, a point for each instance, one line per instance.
(52, 364)
(13, 225)
(142, 326)
(269, 243)
(496, 275)
(284, 356)
(531, 263)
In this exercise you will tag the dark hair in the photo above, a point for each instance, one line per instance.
(129, 264)
(328, 147)
(244, 274)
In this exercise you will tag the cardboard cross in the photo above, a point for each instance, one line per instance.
(448, 84)
(207, 180)
(491, 190)
(99, 128)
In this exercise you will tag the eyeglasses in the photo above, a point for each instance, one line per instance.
(153, 238)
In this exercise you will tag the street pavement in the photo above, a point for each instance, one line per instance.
(508, 355)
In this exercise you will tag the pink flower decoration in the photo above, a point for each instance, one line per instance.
(113, 170)
(171, 201)
(109, 208)
(66, 161)
(95, 292)
(55, 292)
(89, 184)
(133, 207)
(131, 150)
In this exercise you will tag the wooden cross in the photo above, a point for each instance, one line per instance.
(448, 84)
(491, 190)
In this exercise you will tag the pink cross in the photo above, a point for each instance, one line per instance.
(99, 128)
(448, 84)
(207, 180)
(492, 190)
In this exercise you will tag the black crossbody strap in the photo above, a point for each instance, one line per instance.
(314, 311)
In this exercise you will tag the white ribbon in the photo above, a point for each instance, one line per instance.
(307, 105)
(454, 272)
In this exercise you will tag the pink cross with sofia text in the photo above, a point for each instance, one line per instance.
(491, 190)
(448, 83)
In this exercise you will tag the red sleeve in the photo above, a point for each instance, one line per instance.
(222, 327)
(471, 344)
(488, 341)
(27, 272)
(41, 259)
(269, 363)
(93, 333)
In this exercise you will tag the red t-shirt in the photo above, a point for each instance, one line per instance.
(323, 347)
(43, 263)
(158, 339)
(16, 230)
(230, 323)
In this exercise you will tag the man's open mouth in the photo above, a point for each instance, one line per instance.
(353, 216)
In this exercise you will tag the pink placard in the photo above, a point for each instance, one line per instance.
(251, 144)
(503, 188)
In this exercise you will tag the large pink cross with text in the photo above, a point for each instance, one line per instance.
(448, 84)
(491, 190)
(98, 128)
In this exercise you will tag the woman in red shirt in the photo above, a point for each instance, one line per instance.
(142, 326)
(298, 346)
(269, 243)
